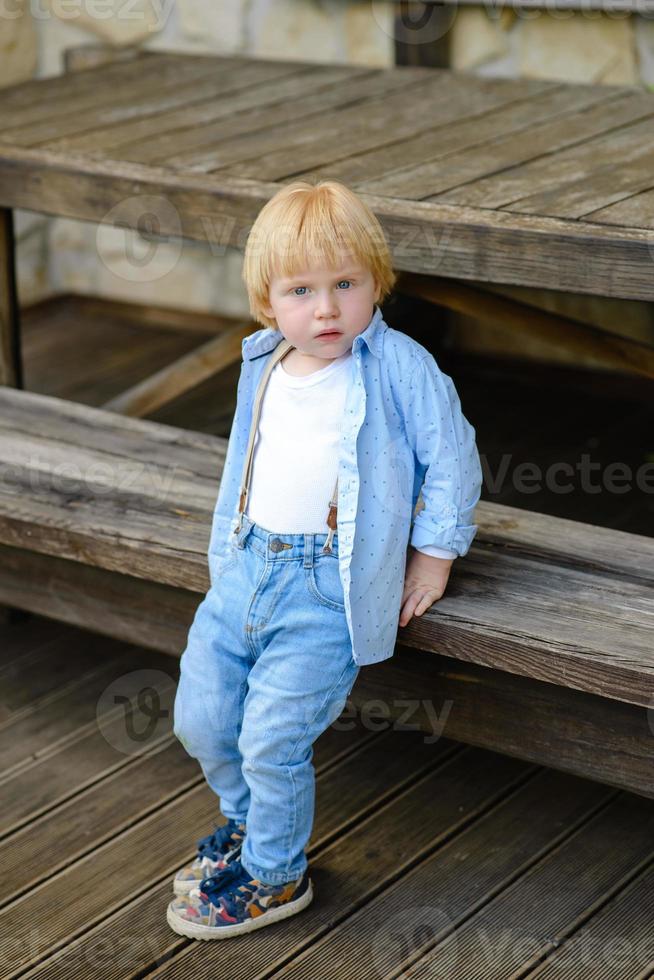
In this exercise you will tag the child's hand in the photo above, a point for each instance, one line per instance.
(424, 583)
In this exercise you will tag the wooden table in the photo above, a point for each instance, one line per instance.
(529, 182)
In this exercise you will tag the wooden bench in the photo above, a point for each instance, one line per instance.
(541, 647)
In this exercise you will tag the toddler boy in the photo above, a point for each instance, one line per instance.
(342, 423)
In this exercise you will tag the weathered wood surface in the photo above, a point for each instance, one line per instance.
(496, 180)
(590, 736)
(610, 350)
(183, 374)
(559, 601)
(550, 872)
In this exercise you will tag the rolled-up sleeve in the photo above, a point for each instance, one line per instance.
(447, 462)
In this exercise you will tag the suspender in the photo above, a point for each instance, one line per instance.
(279, 352)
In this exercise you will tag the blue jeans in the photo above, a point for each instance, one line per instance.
(268, 666)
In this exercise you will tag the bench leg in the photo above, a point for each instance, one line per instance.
(11, 368)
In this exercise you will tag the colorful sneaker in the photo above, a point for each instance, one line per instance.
(232, 902)
(214, 854)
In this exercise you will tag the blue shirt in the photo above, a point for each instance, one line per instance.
(409, 472)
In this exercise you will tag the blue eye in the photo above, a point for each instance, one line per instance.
(295, 290)
(348, 281)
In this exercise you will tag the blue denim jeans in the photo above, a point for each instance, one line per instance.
(268, 666)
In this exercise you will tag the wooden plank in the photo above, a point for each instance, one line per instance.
(441, 871)
(53, 664)
(64, 427)
(537, 911)
(586, 631)
(152, 88)
(60, 719)
(45, 99)
(109, 807)
(36, 91)
(635, 211)
(568, 730)
(200, 120)
(576, 732)
(114, 604)
(424, 237)
(183, 374)
(149, 99)
(305, 99)
(152, 849)
(616, 940)
(559, 540)
(234, 139)
(291, 149)
(589, 632)
(73, 425)
(11, 370)
(146, 316)
(469, 137)
(69, 331)
(535, 134)
(612, 350)
(509, 187)
(345, 813)
(607, 184)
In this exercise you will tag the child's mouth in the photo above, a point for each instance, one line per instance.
(329, 335)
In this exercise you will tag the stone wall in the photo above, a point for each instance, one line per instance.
(57, 254)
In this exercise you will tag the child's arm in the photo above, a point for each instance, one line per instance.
(447, 462)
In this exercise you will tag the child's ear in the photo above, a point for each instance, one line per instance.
(268, 310)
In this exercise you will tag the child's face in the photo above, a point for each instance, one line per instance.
(319, 299)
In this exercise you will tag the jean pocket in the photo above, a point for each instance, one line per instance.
(220, 563)
(324, 582)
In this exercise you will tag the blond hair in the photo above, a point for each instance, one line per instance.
(306, 224)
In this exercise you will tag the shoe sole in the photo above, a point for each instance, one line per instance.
(196, 931)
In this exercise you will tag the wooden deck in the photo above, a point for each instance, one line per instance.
(429, 858)
(525, 181)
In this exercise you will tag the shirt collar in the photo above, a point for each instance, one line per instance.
(266, 340)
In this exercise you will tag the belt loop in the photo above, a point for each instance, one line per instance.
(309, 544)
(243, 530)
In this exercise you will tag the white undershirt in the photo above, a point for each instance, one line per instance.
(296, 449)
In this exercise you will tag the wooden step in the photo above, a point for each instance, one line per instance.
(565, 602)
(105, 523)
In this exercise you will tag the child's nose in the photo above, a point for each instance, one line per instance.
(326, 304)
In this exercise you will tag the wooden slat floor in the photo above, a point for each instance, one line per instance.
(429, 858)
(494, 179)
